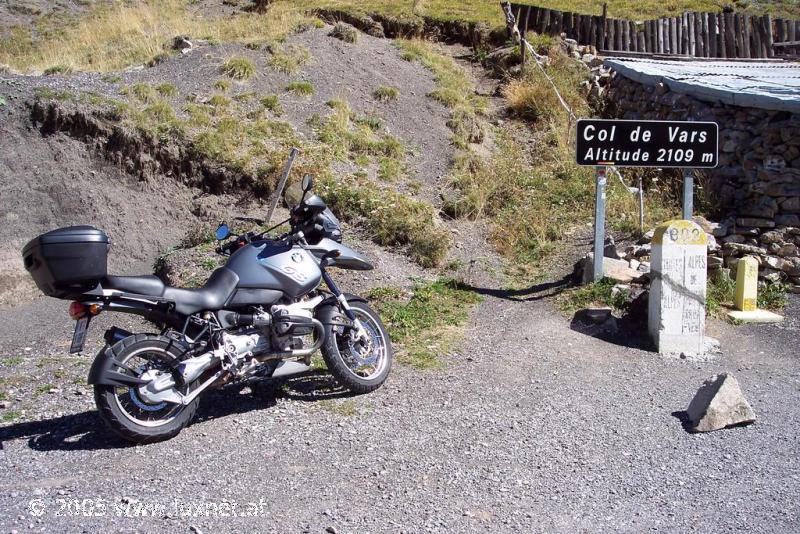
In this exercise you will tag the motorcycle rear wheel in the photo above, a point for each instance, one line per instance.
(124, 411)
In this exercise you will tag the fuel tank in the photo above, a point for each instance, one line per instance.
(267, 265)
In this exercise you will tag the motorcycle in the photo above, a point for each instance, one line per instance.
(263, 314)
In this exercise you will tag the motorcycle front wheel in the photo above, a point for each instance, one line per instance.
(360, 365)
(124, 409)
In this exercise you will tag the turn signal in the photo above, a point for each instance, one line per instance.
(78, 310)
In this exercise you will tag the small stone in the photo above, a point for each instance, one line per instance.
(195, 529)
(719, 403)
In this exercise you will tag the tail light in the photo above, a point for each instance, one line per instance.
(79, 309)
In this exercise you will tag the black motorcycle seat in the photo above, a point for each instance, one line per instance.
(212, 296)
(151, 286)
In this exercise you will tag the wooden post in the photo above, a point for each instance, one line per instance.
(683, 34)
(660, 31)
(624, 35)
(612, 32)
(544, 22)
(641, 45)
(730, 39)
(757, 50)
(605, 26)
(705, 32)
(692, 47)
(536, 14)
(699, 36)
(712, 34)
(721, 50)
(524, 30)
(673, 36)
(738, 33)
(770, 39)
(568, 25)
(620, 35)
(746, 35)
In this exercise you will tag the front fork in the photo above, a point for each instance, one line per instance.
(359, 328)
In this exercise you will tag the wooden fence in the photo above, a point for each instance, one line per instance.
(719, 35)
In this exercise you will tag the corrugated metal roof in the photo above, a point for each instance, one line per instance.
(765, 85)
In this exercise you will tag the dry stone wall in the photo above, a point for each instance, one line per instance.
(757, 183)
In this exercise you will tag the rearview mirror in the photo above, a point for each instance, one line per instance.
(223, 232)
(307, 183)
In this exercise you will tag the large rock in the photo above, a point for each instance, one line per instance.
(618, 270)
(719, 403)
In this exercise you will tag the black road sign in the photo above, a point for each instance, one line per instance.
(623, 143)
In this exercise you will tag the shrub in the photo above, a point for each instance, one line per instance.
(290, 58)
(238, 68)
(143, 92)
(344, 32)
(271, 103)
(222, 85)
(301, 88)
(58, 69)
(386, 94)
(167, 89)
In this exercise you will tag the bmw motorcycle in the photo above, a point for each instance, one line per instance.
(263, 314)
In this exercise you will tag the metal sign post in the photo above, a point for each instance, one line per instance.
(604, 143)
(599, 222)
(688, 194)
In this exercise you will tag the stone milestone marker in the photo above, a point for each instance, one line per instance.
(747, 295)
(677, 302)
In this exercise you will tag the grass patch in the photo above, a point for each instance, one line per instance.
(13, 361)
(167, 89)
(597, 294)
(720, 295)
(772, 296)
(347, 134)
(142, 92)
(390, 169)
(223, 85)
(301, 88)
(428, 324)
(10, 416)
(346, 408)
(115, 35)
(238, 68)
(344, 32)
(57, 69)
(289, 58)
(272, 104)
(386, 94)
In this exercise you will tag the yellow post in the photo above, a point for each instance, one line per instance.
(747, 284)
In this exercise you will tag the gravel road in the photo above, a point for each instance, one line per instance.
(530, 427)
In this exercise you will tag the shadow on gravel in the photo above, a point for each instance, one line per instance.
(530, 294)
(76, 432)
(85, 430)
(628, 331)
(683, 417)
